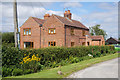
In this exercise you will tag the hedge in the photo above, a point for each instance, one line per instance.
(50, 57)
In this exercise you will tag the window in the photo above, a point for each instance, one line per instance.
(52, 43)
(28, 44)
(83, 32)
(27, 31)
(88, 43)
(72, 44)
(83, 43)
(72, 31)
(51, 31)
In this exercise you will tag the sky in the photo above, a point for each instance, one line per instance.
(88, 13)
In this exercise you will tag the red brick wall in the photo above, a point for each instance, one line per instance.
(35, 33)
(74, 38)
(59, 37)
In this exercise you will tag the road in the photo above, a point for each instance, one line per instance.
(107, 69)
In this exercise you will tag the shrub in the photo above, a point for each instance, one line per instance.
(10, 56)
(27, 71)
(6, 72)
(48, 57)
(31, 63)
(98, 54)
(17, 72)
(8, 37)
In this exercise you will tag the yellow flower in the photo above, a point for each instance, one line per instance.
(24, 54)
(21, 62)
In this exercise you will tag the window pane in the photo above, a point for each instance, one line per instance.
(54, 30)
(49, 44)
(49, 30)
(83, 33)
(72, 31)
(54, 43)
(24, 31)
(29, 31)
(28, 44)
(24, 45)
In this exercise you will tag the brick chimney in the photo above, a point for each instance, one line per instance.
(68, 14)
(46, 16)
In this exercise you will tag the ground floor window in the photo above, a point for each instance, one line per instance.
(83, 43)
(72, 44)
(52, 43)
(28, 44)
(88, 43)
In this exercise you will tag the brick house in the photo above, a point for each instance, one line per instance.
(55, 30)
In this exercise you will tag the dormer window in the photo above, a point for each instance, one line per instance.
(27, 31)
(51, 31)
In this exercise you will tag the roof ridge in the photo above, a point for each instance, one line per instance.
(37, 18)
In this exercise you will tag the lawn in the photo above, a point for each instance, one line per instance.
(68, 69)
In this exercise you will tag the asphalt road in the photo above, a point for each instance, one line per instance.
(107, 69)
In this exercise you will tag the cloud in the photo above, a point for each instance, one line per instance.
(108, 6)
(72, 4)
(107, 19)
(24, 12)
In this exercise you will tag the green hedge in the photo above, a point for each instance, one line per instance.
(50, 57)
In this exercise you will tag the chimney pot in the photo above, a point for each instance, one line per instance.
(68, 11)
(46, 16)
(67, 14)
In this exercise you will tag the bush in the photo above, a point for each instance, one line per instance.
(27, 71)
(8, 37)
(10, 56)
(17, 72)
(48, 57)
(6, 72)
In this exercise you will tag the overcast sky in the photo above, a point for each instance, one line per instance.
(88, 13)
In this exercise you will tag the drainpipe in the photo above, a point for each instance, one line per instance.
(40, 34)
(40, 37)
(43, 38)
(86, 39)
(65, 35)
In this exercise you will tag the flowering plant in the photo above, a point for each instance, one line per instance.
(31, 63)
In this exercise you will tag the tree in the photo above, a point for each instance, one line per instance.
(95, 30)
(8, 37)
(118, 36)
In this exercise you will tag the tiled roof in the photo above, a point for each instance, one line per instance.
(112, 38)
(40, 21)
(64, 20)
(71, 22)
(96, 37)
(82, 37)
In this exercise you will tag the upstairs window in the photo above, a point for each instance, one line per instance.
(52, 43)
(27, 31)
(72, 31)
(83, 32)
(51, 31)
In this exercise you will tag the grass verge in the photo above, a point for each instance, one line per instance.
(68, 69)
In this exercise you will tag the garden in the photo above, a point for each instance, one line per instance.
(20, 62)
